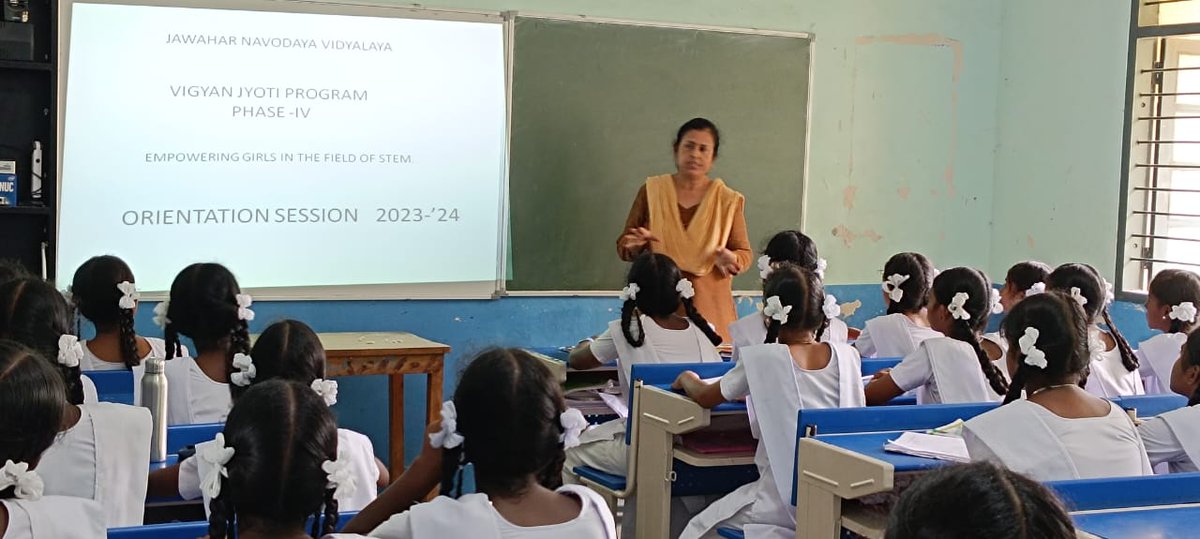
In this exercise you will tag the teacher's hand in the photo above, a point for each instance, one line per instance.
(638, 238)
(726, 261)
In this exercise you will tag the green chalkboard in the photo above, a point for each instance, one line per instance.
(595, 107)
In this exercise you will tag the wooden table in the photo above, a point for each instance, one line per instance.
(393, 355)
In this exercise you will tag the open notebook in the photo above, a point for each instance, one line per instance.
(931, 446)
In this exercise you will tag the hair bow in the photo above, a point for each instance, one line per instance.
(831, 307)
(1110, 294)
(957, 311)
(1184, 312)
(448, 437)
(70, 352)
(573, 424)
(685, 289)
(246, 370)
(776, 310)
(160, 313)
(891, 286)
(1078, 296)
(996, 307)
(340, 475)
(217, 455)
(822, 265)
(327, 389)
(244, 301)
(630, 292)
(28, 484)
(764, 267)
(1034, 357)
(129, 295)
(1037, 288)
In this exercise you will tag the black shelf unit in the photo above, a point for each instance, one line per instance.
(28, 113)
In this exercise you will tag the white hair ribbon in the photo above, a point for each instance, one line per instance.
(764, 267)
(1110, 294)
(996, 306)
(1078, 297)
(160, 313)
(775, 310)
(217, 455)
(957, 311)
(244, 301)
(448, 437)
(831, 307)
(630, 292)
(1184, 312)
(822, 265)
(1034, 357)
(891, 286)
(327, 389)
(573, 424)
(246, 370)
(340, 475)
(27, 483)
(685, 289)
(70, 352)
(1037, 288)
(129, 295)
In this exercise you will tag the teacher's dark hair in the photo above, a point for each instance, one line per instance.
(699, 124)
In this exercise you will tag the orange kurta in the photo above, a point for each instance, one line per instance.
(721, 214)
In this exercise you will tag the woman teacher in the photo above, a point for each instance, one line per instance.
(697, 221)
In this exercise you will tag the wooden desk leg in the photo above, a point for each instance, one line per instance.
(396, 430)
(818, 512)
(433, 392)
(655, 451)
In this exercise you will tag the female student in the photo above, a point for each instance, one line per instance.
(31, 411)
(697, 221)
(789, 246)
(953, 368)
(906, 281)
(1026, 278)
(979, 500)
(105, 293)
(1171, 304)
(1114, 367)
(289, 350)
(103, 449)
(275, 464)
(1174, 437)
(1059, 431)
(792, 371)
(207, 306)
(649, 331)
(509, 420)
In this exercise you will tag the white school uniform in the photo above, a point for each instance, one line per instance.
(1002, 344)
(105, 457)
(192, 397)
(751, 329)
(946, 371)
(54, 517)
(1108, 377)
(892, 335)
(473, 515)
(1029, 439)
(763, 508)
(90, 395)
(362, 463)
(1173, 438)
(1157, 356)
(92, 362)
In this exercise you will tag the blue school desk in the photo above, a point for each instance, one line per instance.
(191, 530)
(1141, 523)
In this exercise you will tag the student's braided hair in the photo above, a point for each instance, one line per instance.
(800, 289)
(95, 293)
(978, 307)
(31, 406)
(1063, 336)
(1174, 286)
(204, 308)
(1091, 286)
(282, 433)
(288, 350)
(36, 315)
(795, 247)
(1023, 275)
(656, 276)
(920, 277)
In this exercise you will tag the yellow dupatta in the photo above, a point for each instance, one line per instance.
(693, 248)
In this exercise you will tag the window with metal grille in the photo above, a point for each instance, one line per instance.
(1161, 203)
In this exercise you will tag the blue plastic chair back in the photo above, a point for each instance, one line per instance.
(113, 386)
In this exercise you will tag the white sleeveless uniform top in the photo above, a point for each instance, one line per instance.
(892, 335)
(1108, 377)
(192, 397)
(90, 395)
(946, 371)
(92, 362)
(1157, 356)
(362, 463)
(1002, 344)
(1174, 438)
(473, 516)
(54, 517)
(105, 457)
(1029, 439)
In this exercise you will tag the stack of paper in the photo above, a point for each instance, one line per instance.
(930, 446)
